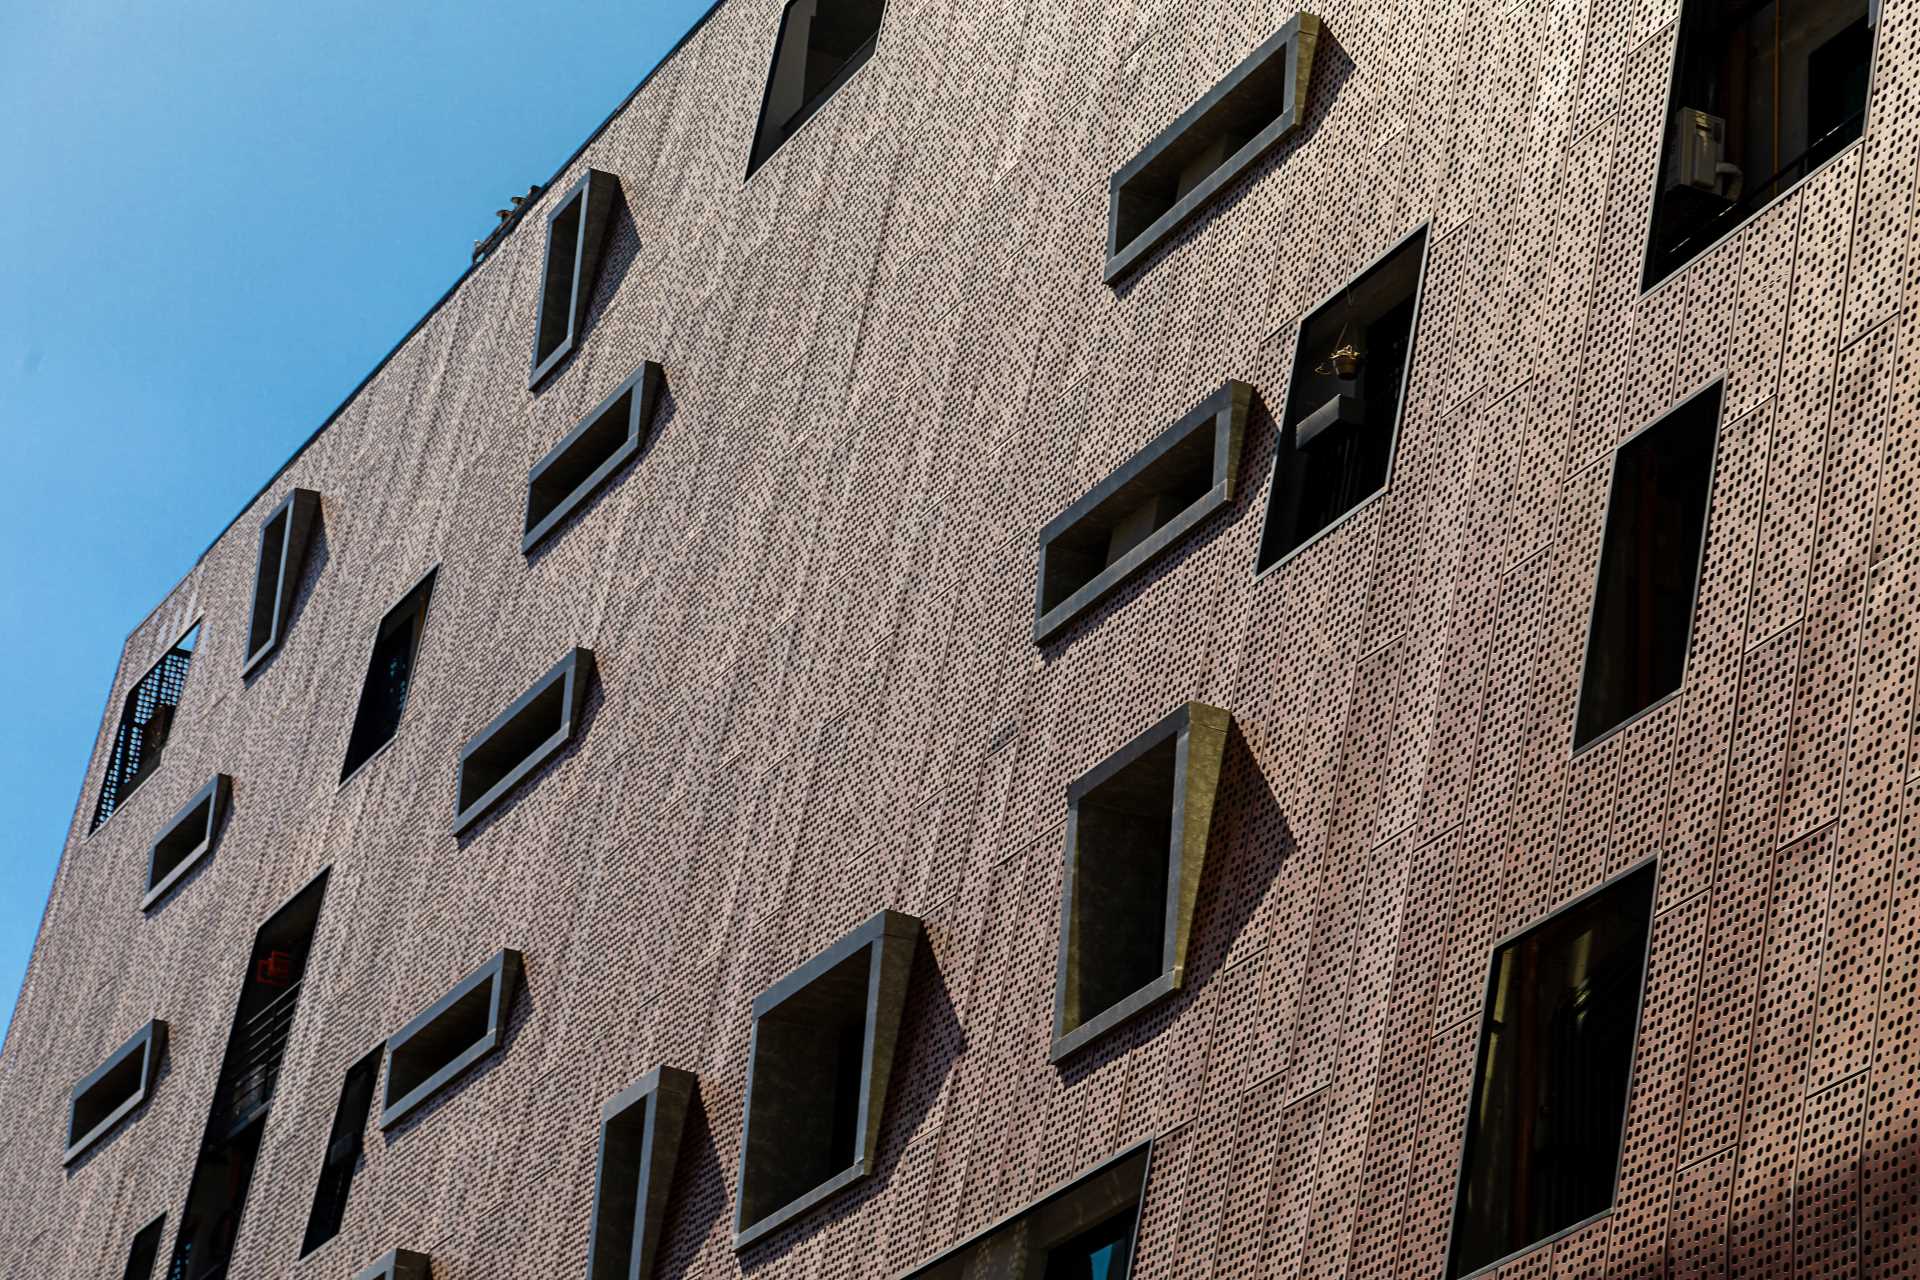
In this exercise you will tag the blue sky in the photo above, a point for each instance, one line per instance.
(219, 216)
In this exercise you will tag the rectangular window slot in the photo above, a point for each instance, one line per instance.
(603, 442)
(450, 1036)
(399, 1264)
(114, 1089)
(1762, 95)
(383, 694)
(1157, 497)
(820, 45)
(1260, 103)
(576, 237)
(1649, 571)
(146, 723)
(821, 1057)
(521, 738)
(284, 536)
(342, 1157)
(186, 839)
(1344, 401)
(639, 1147)
(1550, 1084)
(145, 1250)
(1137, 829)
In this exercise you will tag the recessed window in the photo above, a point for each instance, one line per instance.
(1337, 436)
(576, 234)
(639, 1147)
(521, 738)
(399, 1264)
(1550, 1087)
(146, 723)
(1136, 843)
(450, 1036)
(114, 1089)
(822, 43)
(1213, 142)
(1649, 568)
(145, 1250)
(342, 1157)
(383, 694)
(821, 1057)
(1083, 1231)
(1762, 95)
(605, 441)
(284, 536)
(1185, 475)
(186, 839)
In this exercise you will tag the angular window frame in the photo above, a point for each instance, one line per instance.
(759, 149)
(214, 797)
(640, 1132)
(1224, 412)
(576, 671)
(413, 609)
(398, 1264)
(641, 388)
(1199, 733)
(297, 513)
(590, 202)
(501, 974)
(1293, 47)
(150, 1043)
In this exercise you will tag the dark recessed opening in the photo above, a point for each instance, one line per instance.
(342, 1157)
(1762, 95)
(604, 441)
(556, 285)
(639, 1142)
(146, 723)
(266, 590)
(576, 231)
(114, 1089)
(1084, 1231)
(1143, 506)
(451, 1035)
(523, 736)
(821, 44)
(145, 1250)
(1649, 567)
(1102, 1252)
(284, 535)
(383, 695)
(1550, 1088)
(187, 838)
(1344, 401)
(216, 1200)
(1123, 835)
(459, 1027)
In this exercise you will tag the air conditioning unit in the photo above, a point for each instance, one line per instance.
(1697, 155)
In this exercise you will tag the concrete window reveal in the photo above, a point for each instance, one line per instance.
(1137, 827)
(1649, 575)
(1260, 103)
(399, 1264)
(640, 1132)
(521, 738)
(145, 1250)
(820, 45)
(450, 1036)
(1344, 401)
(343, 1153)
(146, 725)
(1082, 1231)
(576, 235)
(284, 536)
(1549, 1098)
(1156, 498)
(114, 1089)
(187, 838)
(603, 442)
(383, 694)
(818, 1067)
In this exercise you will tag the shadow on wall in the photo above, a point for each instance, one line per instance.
(318, 553)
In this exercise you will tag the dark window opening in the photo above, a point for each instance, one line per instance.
(821, 44)
(284, 536)
(145, 1250)
(186, 839)
(593, 451)
(383, 695)
(1649, 567)
(521, 738)
(114, 1089)
(1101, 1253)
(639, 1144)
(450, 1036)
(1762, 95)
(1080, 1232)
(146, 722)
(342, 1159)
(1344, 402)
(1550, 1088)
(576, 234)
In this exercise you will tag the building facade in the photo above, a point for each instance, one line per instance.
(657, 784)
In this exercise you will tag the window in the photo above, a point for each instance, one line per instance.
(521, 738)
(187, 838)
(822, 1053)
(145, 1250)
(639, 1146)
(1550, 1085)
(1344, 401)
(605, 441)
(1185, 475)
(114, 1089)
(146, 722)
(821, 44)
(1762, 95)
(576, 234)
(399, 1264)
(1136, 842)
(383, 695)
(1649, 568)
(450, 1035)
(343, 1152)
(1213, 142)
(283, 556)
(1083, 1231)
